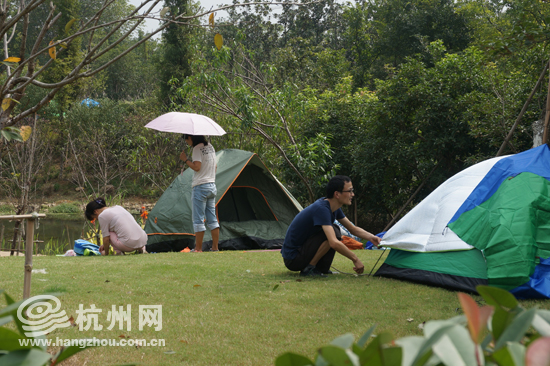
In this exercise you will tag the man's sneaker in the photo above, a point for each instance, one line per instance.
(312, 271)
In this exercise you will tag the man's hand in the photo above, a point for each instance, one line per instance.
(358, 266)
(183, 156)
(375, 240)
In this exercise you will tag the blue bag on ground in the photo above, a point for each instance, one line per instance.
(80, 246)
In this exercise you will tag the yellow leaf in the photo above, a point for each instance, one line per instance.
(218, 41)
(211, 19)
(6, 103)
(69, 25)
(64, 45)
(25, 132)
(12, 59)
(52, 51)
(164, 11)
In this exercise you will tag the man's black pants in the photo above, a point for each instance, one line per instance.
(310, 248)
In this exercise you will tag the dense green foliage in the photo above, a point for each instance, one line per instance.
(397, 95)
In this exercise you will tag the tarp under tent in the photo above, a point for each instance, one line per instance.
(489, 224)
(253, 208)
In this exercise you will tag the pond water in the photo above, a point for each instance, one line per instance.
(54, 236)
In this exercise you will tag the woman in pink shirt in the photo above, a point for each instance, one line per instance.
(118, 226)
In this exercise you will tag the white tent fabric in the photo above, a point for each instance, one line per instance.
(424, 228)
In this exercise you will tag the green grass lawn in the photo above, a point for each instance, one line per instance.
(227, 308)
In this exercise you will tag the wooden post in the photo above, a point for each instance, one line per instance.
(28, 247)
(28, 258)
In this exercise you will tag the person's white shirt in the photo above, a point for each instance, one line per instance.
(207, 156)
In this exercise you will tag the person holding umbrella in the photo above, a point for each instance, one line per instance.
(204, 189)
(194, 127)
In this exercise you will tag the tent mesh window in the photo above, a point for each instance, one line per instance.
(242, 203)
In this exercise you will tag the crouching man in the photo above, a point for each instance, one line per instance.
(312, 239)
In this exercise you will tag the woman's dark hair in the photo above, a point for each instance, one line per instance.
(197, 139)
(336, 184)
(94, 205)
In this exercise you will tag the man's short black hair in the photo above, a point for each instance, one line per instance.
(336, 184)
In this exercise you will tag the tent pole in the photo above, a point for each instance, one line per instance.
(547, 115)
(411, 197)
(509, 136)
(377, 262)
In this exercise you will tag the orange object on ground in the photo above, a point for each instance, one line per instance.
(186, 250)
(351, 243)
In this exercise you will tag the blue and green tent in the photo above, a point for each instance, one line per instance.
(489, 224)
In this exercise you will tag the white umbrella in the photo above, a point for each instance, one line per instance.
(187, 123)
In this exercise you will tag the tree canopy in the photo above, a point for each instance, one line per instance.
(399, 95)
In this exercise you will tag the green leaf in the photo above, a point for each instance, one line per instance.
(292, 359)
(68, 352)
(9, 300)
(9, 135)
(420, 358)
(69, 25)
(32, 357)
(516, 330)
(373, 354)
(343, 341)
(5, 320)
(337, 356)
(11, 310)
(423, 359)
(392, 356)
(9, 340)
(497, 296)
(541, 322)
(10, 64)
(365, 337)
(456, 347)
(410, 346)
(501, 320)
(486, 341)
(511, 355)
(320, 361)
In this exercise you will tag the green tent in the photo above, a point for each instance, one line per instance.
(254, 209)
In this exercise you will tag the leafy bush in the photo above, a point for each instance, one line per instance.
(7, 209)
(497, 334)
(14, 352)
(66, 208)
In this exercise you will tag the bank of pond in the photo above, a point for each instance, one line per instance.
(54, 234)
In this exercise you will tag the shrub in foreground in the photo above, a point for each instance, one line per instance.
(501, 333)
(15, 346)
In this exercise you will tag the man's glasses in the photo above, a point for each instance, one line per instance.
(350, 191)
